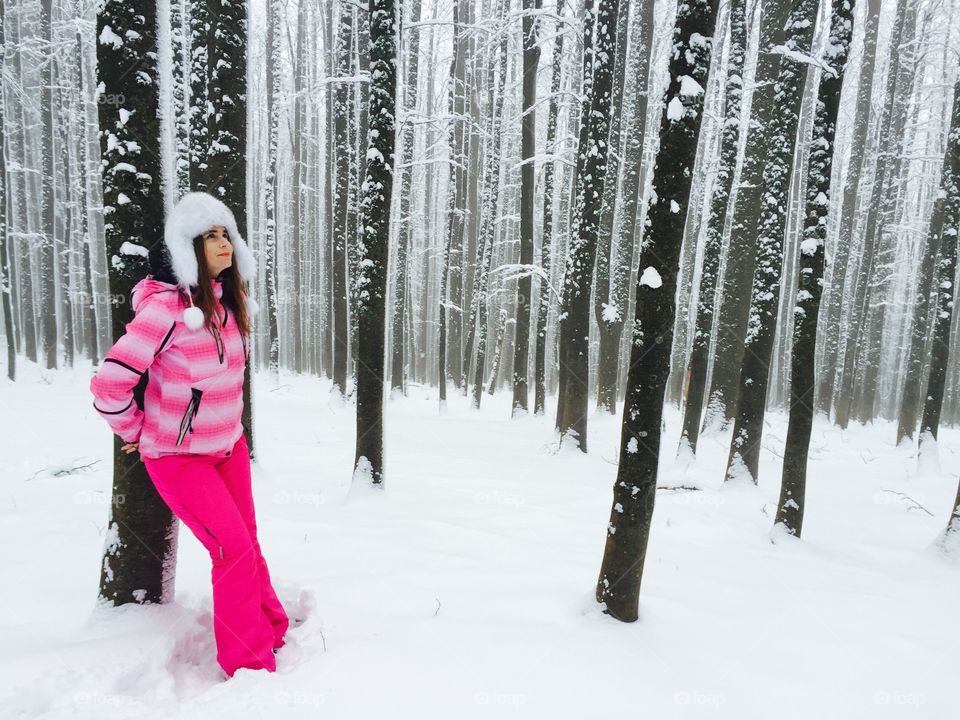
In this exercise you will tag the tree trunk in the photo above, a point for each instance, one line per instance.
(275, 9)
(572, 406)
(491, 196)
(140, 554)
(450, 266)
(544, 300)
(810, 285)
(341, 183)
(401, 289)
(371, 284)
(713, 243)
(838, 268)
(618, 587)
(5, 297)
(911, 404)
(608, 315)
(944, 284)
(528, 122)
(741, 253)
(858, 314)
(765, 292)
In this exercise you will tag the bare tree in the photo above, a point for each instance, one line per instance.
(599, 48)
(807, 305)
(371, 283)
(947, 203)
(634, 492)
(713, 242)
(140, 553)
(731, 324)
(531, 62)
(781, 141)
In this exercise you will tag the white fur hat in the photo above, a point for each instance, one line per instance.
(192, 215)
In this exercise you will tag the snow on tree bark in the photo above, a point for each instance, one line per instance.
(599, 47)
(218, 121)
(543, 283)
(621, 571)
(713, 242)
(765, 291)
(607, 314)
(453, 196)
(140, 552)
(810, 284)
(5, 295)
(949, 199)
(876, 231)
(488, 210)
(911, 403)
(404, 232)
(731, 324)
(373, 245)
(630, 205)
(531, 62)
(836, 273)
(340, 180)
(274, 61)
(864, 269)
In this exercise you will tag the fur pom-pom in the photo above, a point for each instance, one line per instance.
(193, 317)
(252, 307)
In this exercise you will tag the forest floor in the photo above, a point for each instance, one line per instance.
(464, 588)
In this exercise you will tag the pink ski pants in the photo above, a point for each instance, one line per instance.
(212, 496)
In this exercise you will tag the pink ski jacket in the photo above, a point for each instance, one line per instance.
(193, 393)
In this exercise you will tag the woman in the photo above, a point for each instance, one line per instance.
(191, 330)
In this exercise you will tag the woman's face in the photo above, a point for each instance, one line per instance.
(218, 249)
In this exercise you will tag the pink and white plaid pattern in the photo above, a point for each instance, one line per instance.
(194, 390)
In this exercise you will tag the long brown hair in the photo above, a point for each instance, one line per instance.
(234, 290)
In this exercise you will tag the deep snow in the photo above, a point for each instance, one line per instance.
(465, 587)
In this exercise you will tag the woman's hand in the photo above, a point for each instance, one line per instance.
(129, 447)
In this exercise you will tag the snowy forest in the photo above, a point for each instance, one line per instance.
(512, 255)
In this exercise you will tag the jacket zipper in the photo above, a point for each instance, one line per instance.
(216, 334)
(186, 422)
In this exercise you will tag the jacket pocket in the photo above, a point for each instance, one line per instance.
(186, 422)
